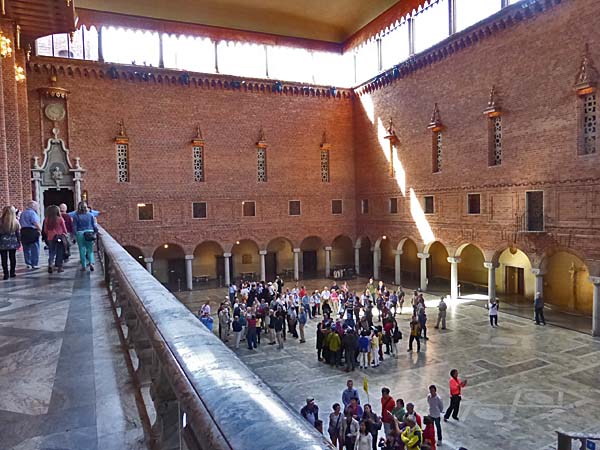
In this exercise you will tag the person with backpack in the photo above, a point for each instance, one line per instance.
(54, 233)
(30, 234)
(10, 240)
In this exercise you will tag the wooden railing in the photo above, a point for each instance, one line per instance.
(203, 396)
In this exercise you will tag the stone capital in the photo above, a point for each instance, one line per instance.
(296, 250)
(149, 260)
(595, 280)
(537, 272)
(227, 255)
(328, 248)
(189, 257)
(490, 265)
(262, 252)
(453, 260)
(423, 255)
(398, 252)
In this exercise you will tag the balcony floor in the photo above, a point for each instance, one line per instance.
(63, 377)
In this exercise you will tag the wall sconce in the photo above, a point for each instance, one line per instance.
(5, 46)
(19, 73)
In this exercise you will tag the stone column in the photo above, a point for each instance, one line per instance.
(328, 262)
(188, 272)
(596, 307)
(357, 260)
(539, 280)
(263, 265)
(149, 262)
(491, 267)
(376, 263)
(296, 263)
(227, 274)
(397, 268)
(423, 257)
(453, 276)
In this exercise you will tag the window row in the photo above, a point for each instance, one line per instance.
(425, 28)
(473, 205)
(145, 211)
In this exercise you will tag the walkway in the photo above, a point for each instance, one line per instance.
(525, 382)
(63, 377)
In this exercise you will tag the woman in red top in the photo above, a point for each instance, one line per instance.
(55, 233)
(429, 432)
(456, 386)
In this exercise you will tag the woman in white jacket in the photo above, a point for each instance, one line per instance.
(364, 441)
(349, 431)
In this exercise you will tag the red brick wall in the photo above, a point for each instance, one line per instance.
(161, 119)
(533, 65)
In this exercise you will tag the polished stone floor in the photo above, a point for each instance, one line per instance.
(525, 381)
(64, 383)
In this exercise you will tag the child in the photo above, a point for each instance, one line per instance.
(429, 433)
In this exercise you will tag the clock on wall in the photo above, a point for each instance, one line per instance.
(55, 112)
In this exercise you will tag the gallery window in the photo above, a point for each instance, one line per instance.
(474, 203)
(248, 209)
(364, 206)
(294, 207)
(336, 207)
(145, 211)
(199, 210)
(393, 205)
(428, 204)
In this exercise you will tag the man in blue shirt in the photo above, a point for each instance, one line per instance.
(349, 393)
(30, 234)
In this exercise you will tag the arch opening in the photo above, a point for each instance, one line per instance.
(366, 257)
(279, 259)
(136, 253)
(245, 260)
(438, 267)
(567, 284)
(472, 275)
(169, 266)
(208, 265)
(409, 263)
(513, 275)
(312, 255)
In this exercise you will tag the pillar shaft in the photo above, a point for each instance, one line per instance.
(596, 307)
(539, 280)
(491, 267)
(376, 263)
(454, 277)
(296, 263)
(398, 269)
(188, 272)
(327, 262)
(263, 265)
(423, 272)
(149, 262)
(357, 260)
(227, 274)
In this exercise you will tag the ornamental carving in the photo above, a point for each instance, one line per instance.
(587, 76)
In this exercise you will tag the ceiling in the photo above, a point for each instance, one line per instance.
(326, 20)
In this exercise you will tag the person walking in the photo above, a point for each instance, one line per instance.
(54, 232)
(84, 226)
(456, 385)
(30, 234)
(387, 406)
(493, 312)
(538, 305)
(436, 407)
(442, 308)
(10, 241)
(414, 334)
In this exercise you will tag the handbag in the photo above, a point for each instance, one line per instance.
(89, 236)
(29, 235)
(9, 241)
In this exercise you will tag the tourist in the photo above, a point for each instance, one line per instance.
(538, 305)
(456, 385)
(401, 294)
(373, 423)
(349, 430)
(414, 334)
(320, 338)
(278, 326)
(30, 234)
(442, 308)
(310, 411)
(237, 330)
(364, 348)
(69, 225)
(493, 312)
(10, 241)
(396, 337)
(232, 292)
(355, 409)
(335, 426)
(350, 348)
(387, 405)
(334, 345)
(422, 316)
(412, 436)
(436, 407)
(54, 232)
(364, 440)
(429, 433)
(410, 411)
(399, 412)
(375, 349)
(224, 319)
(302, 319)
(205, 308)
(251, 337)
(84, 226)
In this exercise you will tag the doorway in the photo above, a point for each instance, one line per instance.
(271, 265)
(309, 262)
(56, 196)
(514, 280)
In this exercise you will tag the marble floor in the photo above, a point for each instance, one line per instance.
(524, 381)
(64, 382)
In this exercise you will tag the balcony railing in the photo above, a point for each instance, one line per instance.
(203, 396)
(565, 440)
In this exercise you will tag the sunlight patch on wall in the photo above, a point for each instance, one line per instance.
(420, 220)
(368, 106)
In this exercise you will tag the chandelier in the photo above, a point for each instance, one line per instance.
(19, 73)
(5, 46)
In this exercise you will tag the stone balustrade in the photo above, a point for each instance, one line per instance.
(565, 440)
(203, 396)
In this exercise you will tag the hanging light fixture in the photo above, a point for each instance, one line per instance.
(19, 73)
(5, 46)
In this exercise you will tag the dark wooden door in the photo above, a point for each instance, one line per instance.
(309, 262)
(56, 196)
(270, 266)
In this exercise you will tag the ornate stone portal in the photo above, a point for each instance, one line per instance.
(56, 171)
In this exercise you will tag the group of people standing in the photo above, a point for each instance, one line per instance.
(57, 230)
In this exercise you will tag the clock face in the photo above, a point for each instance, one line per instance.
(55, 112)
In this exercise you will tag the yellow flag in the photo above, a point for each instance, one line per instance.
(366, 385)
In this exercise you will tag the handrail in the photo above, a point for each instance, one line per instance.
(203, 394)
(565, 439)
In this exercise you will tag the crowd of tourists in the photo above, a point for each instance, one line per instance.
(58, 229)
